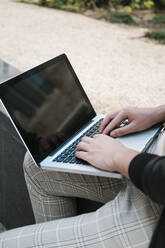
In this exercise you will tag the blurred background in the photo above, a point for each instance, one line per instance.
(115, 46)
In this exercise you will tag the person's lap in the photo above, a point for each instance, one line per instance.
(126, 221)
(55, 195)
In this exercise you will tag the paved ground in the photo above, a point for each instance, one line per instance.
(115, 65)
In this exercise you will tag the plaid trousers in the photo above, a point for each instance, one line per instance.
(126, 220)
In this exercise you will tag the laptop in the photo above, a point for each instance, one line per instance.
(51, 112)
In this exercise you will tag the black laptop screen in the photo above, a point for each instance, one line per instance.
(47, 105)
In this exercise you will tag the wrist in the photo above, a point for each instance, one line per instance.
(123, 161)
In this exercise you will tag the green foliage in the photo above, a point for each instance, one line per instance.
(159, 19)
(81, 5)
(74, 5)
(52, 3)
(141, 4)
(130, 5)
(158, 35)
(120, 17)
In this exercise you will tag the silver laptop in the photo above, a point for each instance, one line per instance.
(51, 112)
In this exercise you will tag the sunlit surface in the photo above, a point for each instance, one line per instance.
(6, 71)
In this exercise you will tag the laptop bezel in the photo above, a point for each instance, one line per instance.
(33, 71)
(49, 63)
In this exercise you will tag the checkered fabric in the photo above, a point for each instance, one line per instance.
(54, 194)
(126, 220)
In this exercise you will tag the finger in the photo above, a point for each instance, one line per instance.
(82, 155)
(106, 120)
(123, 130)
(82, 146)
(116, 121)
(87, 139)
(95, 136)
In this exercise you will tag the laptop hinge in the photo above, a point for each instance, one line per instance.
(72, 137)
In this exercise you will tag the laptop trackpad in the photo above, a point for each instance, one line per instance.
(137, 141)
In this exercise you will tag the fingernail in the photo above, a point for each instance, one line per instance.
(112, 133)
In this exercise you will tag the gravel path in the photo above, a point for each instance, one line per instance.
(116, 66)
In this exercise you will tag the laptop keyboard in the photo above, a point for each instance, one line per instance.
(68, 156)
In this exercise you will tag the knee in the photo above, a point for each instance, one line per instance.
(29, 166)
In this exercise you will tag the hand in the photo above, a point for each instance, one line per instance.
(105, 153)
(138, 119)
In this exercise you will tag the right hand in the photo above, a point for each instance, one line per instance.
(105, 153)
(138, 119)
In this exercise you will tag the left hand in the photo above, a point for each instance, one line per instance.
(105, 153)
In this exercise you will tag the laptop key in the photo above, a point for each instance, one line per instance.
(68, 156)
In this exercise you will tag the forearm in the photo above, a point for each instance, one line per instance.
(159, 114)
(147, 172)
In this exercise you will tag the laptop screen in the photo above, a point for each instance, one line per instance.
(47, 104)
